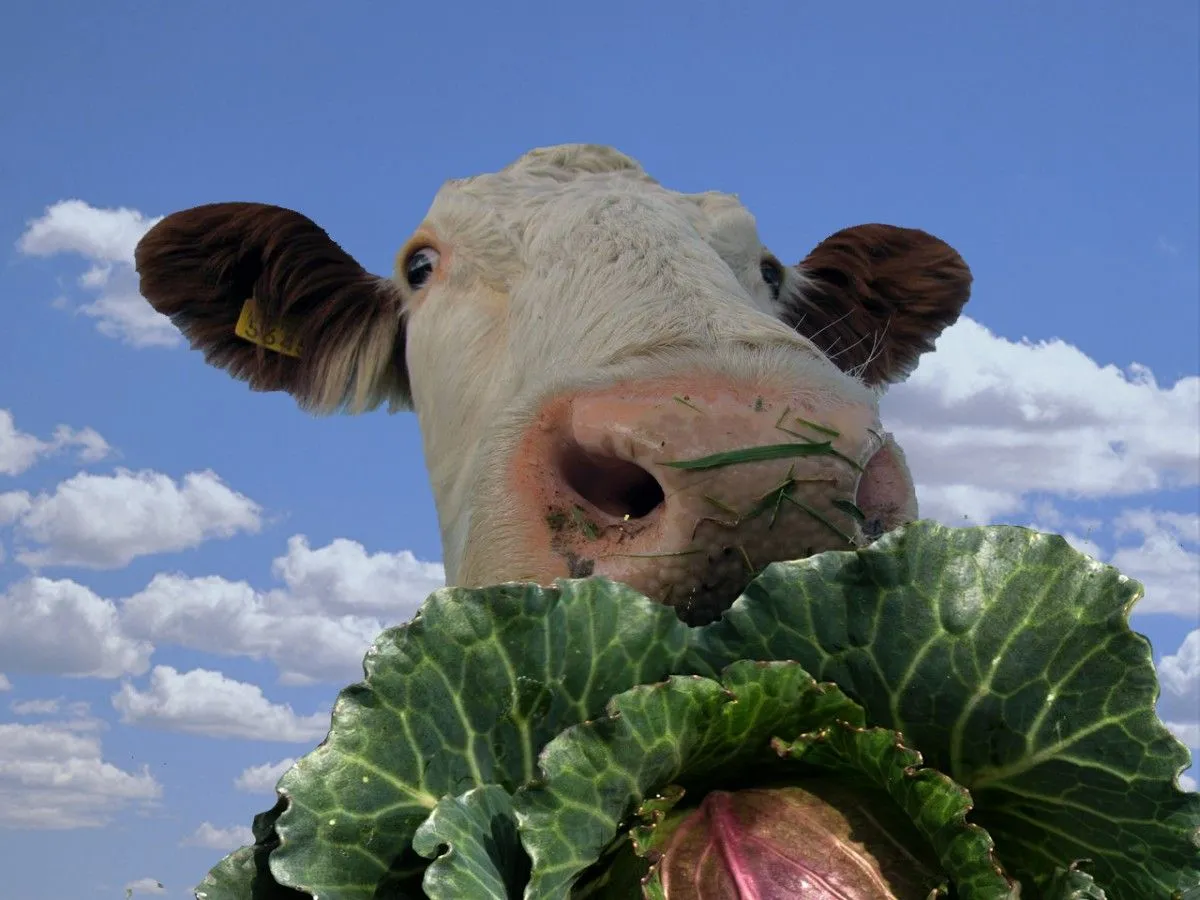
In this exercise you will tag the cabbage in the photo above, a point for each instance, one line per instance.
(826, 840)
(959, 713)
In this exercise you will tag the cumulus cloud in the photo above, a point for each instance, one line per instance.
(105, 238)
(52, 776)
(19, 450)
(1187, 732)
(1083, 543)
(262, 779)
(986, 422)
(5, 684)
(49, 707)
(72, 226)
(334, 602)
(214, 838)
(1182, 527)
(35, 707)
(342, 577)
(1157, 548)
(207, 703)
(144, 886)
(1166, 559)
(1179, 700)
(1179, 677)
(13, 505)
(230, 618)
(63, 628)
(106, 521)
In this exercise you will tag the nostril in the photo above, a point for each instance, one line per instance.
(885, 494)
(614, 486)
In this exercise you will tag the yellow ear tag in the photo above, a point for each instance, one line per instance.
(280, 338)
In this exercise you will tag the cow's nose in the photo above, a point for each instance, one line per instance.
(685, 492)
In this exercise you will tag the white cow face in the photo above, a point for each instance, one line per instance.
(574, 337)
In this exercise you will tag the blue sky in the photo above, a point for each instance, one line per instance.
(1054, 148)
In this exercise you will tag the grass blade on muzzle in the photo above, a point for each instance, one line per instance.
(754, 454)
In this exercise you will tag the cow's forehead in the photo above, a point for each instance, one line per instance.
(587, 172)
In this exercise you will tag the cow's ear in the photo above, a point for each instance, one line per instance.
(873, 298)
(268, 296)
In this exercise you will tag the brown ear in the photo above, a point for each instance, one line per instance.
(337, 330)
(875, 297)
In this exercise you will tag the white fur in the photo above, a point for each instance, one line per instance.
(564, 270)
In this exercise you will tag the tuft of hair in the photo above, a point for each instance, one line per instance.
(200, 266)
(565, 161)
(874, 298)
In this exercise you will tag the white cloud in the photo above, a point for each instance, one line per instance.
(1183, 527)
(342, 577)
(5, 684)
(106, 239)
(144, 886)
(62, 628)
(1179, 677)
(35, 707)
(985, 422)
(207, 703)
(106, 521)
(72, 226)
(1083, 544)
(13, 505)
(336, 600)
(92, 446)
(214, 838)
(1169, 570)
(1179, 700)
(1187, 732)
(262, 779)
(232, 619)
(958, 504)
(54, 777)
(49, 707)
(20, 450)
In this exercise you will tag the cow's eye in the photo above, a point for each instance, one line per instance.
(772, 274)
(420, 266)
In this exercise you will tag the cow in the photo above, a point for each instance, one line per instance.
(610, 377)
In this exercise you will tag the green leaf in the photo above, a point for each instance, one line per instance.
(232, 878)
(932, 801)
(597, 773)
(245, 874)
(1072, 883)
(475, 848)
(1002, 655)
(463, 696)
(1006, 658)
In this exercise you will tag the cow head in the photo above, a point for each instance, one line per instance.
(610, 377)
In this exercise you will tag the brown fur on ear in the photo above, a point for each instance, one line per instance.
(875, 297)
(199, 267)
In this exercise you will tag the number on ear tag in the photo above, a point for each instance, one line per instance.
(279, 338)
